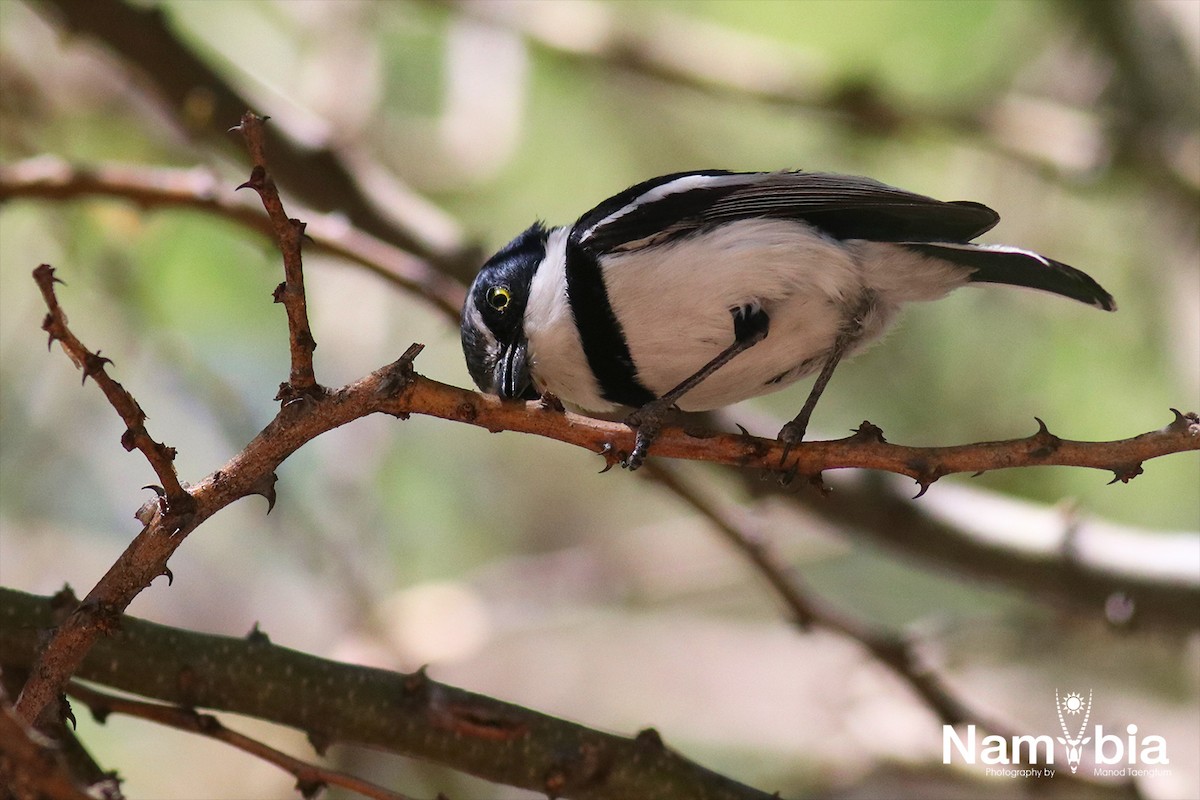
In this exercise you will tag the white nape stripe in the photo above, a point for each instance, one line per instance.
(676, 186)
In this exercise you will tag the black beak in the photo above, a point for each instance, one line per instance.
(512, 379)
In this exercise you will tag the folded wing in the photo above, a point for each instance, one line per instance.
(840, 206)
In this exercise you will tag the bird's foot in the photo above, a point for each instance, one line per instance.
(647, 422)
(791, 435)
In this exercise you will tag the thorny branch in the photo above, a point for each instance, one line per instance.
(288, 233)
(93, 366)
(864, 449)
(33, 765)
(310, 778)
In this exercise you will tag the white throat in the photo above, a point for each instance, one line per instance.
(556, 358)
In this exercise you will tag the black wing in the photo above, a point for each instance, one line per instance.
(842, 206)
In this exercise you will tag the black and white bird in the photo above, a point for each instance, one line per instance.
(701, 289)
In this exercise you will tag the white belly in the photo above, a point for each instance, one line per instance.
(674, 304)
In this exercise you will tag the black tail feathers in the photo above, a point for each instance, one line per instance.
(1017, 267)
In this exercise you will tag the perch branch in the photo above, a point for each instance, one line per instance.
(51, 178)
(342, 703)
(864, 449)
(310, 778)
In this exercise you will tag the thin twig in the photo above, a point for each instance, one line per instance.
(289, 232)
(808, 609)
(52, 178)
(310, 778)
(159, 455)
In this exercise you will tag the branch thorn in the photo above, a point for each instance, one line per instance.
(257, 636)
(1188, 423)
(1047, 442)
(309, 788)
(265, 486)
(93, 363)
(648, 739)
(868, 432)
(1126, 472)
(68, 714)
(925, 481)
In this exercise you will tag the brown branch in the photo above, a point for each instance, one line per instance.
(310, 778)
(288, 233)
(33, 766)
(160, 456)
(865, 449)
(51, 178)
(342, 703)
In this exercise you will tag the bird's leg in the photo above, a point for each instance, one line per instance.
(793, 432)
(750, 326)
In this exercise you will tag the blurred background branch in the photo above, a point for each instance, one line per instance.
(334, 703)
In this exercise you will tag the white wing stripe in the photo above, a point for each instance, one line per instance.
(677, 186)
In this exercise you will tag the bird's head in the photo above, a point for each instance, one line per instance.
(493, 334)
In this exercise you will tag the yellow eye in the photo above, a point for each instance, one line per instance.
(498, 297)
